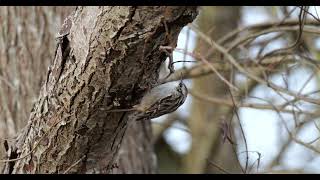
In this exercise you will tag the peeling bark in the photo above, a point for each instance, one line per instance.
(106, 58)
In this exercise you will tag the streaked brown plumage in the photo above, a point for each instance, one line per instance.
(160, 100)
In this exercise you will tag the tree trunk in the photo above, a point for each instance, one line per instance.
(136, 154)
(27, 33)
(107, 58)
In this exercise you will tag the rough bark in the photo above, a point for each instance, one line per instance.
(26, 35)
(107, 59)
(136, 154)
(26, 48)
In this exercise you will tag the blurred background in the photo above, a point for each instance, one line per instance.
(253, 80)
(278, 132)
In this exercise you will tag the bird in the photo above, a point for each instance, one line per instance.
(160, 100)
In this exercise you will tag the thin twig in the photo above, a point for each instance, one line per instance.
(302, 18)
(218, 74)
(227, 102)
(201, 69)
(306, 82)
(235, 109)
(308, 146)
(74, 164)
(217, 166)
(250, 75)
